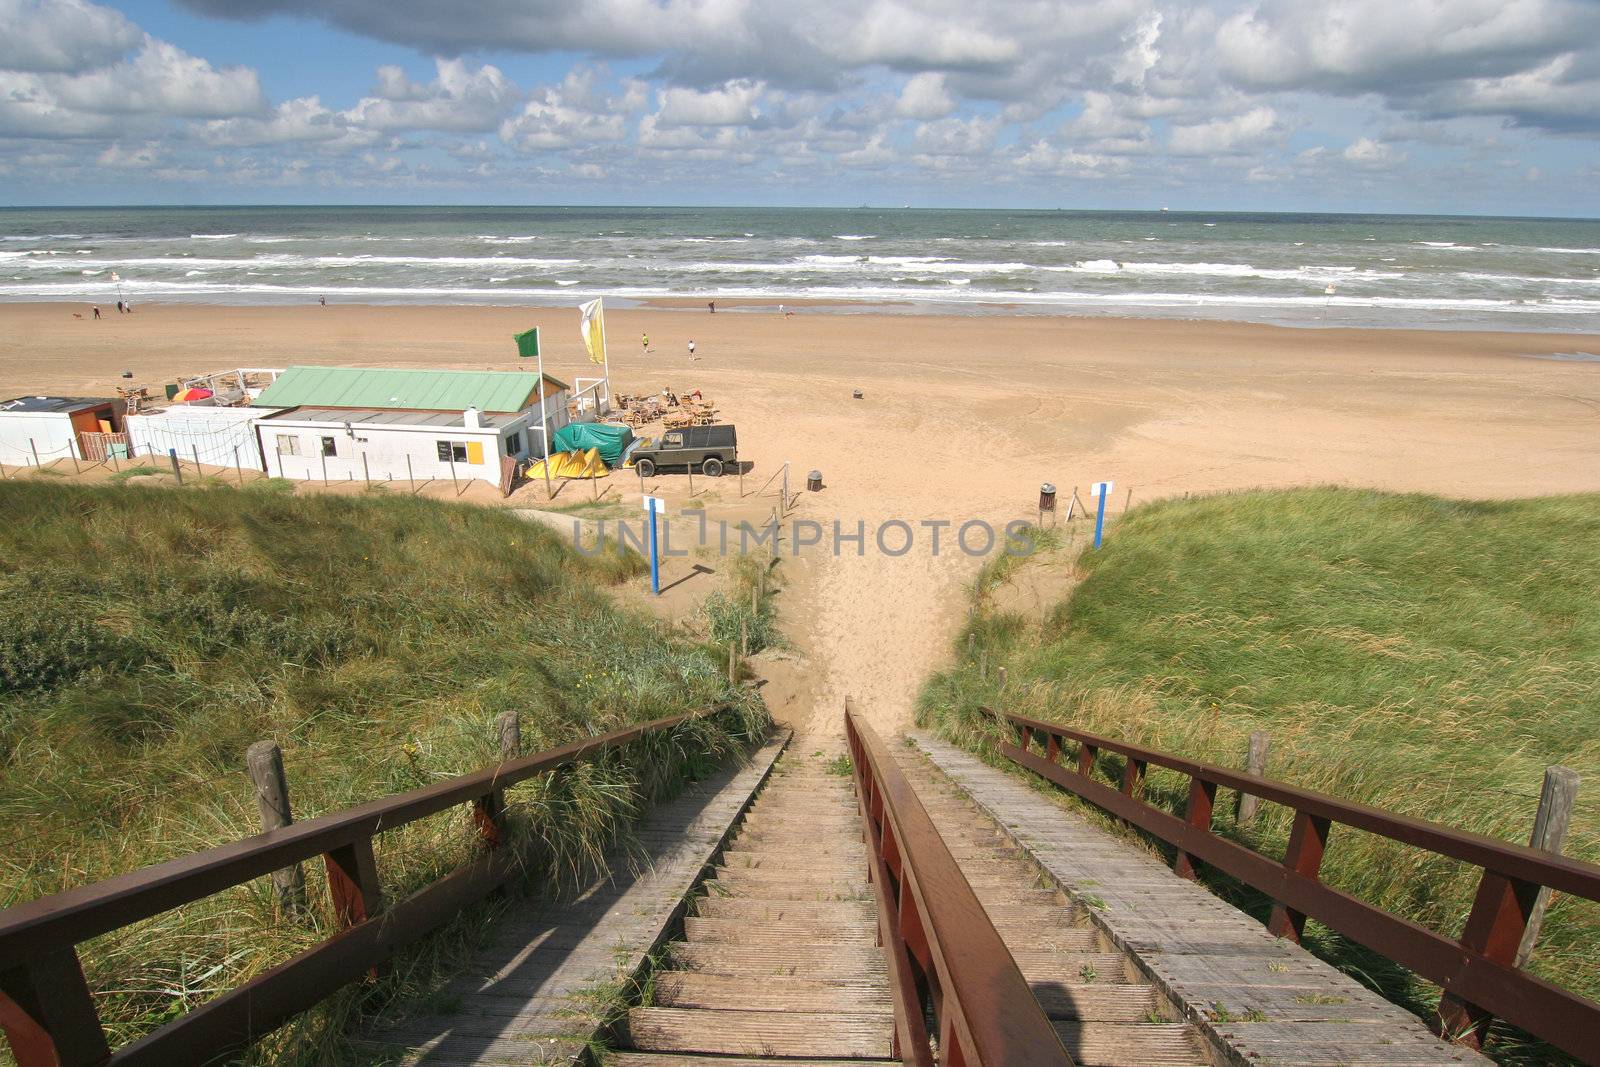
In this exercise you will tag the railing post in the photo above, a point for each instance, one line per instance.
(1202, 796)
(1506, 916)
(353, 882)
(1052, 747)
(264, 762)
(1255, 765)
(1132, 776)
(1087, 754)
(1494, 930)
(48, 1015)
(1307, 842)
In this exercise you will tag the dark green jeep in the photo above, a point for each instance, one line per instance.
(711, 448)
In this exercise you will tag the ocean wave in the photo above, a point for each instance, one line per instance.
(1573, 251)
(955, 291)
(1525, 279)
(1446, 246)
(824, 259)
(855, 236)
(906, 261)
(211, 236)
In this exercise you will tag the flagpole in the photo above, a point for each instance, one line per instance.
(544, 420)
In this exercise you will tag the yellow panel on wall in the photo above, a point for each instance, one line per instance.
(474, 451)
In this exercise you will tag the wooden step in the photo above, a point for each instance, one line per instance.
(773, 910)
(1030, 913)
(672, 1059)
(767, 889)
(758, 1033)
(724, 992)
(788, 846)
(1057, 938)
(1129, 1045)
(785, 931)
(787, 876)
(768, 858)
(786, 961)
(1101, 1002)
(1048, 965)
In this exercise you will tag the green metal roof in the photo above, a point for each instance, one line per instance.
(413, 390)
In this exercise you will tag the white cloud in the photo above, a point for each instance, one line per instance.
(1365, 152)
(62, 36)
(301, 120)
(925, 97)
(736, 103)
(1225, 135)
(569, 115)
(460, 100)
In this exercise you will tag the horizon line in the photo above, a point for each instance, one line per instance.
(793, 207)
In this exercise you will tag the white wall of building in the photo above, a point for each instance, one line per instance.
(387, 447)
(51, 432)
(212, 432)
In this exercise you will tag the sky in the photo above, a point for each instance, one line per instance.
(1432, 106)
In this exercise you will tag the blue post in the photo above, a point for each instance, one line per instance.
(655, 560)
(1100, 515)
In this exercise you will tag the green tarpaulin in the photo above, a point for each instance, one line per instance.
(581, 436)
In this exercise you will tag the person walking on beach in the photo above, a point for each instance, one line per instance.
(119, 307)
(97, 311)
(712, 304)
(691, 348)
(322, 300)
(646, 339)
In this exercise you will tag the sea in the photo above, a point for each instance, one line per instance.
(1295, 269)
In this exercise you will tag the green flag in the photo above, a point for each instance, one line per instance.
(528, 343)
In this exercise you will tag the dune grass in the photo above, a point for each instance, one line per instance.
(148, 635)
(1427, 656)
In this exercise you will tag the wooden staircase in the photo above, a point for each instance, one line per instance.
(779, 961)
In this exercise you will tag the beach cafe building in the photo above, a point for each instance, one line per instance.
(379, 424)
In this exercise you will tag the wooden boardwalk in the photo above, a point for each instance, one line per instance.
(522, 1001)
(1106, 1013)
(1259, 1001)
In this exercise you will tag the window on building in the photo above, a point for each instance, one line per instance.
(327, 447)
(452, 451)
(514, 444)
(288, 445)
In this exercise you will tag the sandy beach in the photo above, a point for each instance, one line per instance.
(961, 417)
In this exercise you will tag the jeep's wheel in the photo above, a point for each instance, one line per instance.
(711, 468)
(645, 467)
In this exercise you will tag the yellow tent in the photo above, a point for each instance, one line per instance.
(570, 465)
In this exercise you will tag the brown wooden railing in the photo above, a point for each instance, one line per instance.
(944, 954)
(47, 1009)
(1477, 972)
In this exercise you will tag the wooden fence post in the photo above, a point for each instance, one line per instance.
(1255, 765)
(1556, 801)
(264, 762)
(510, 735)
